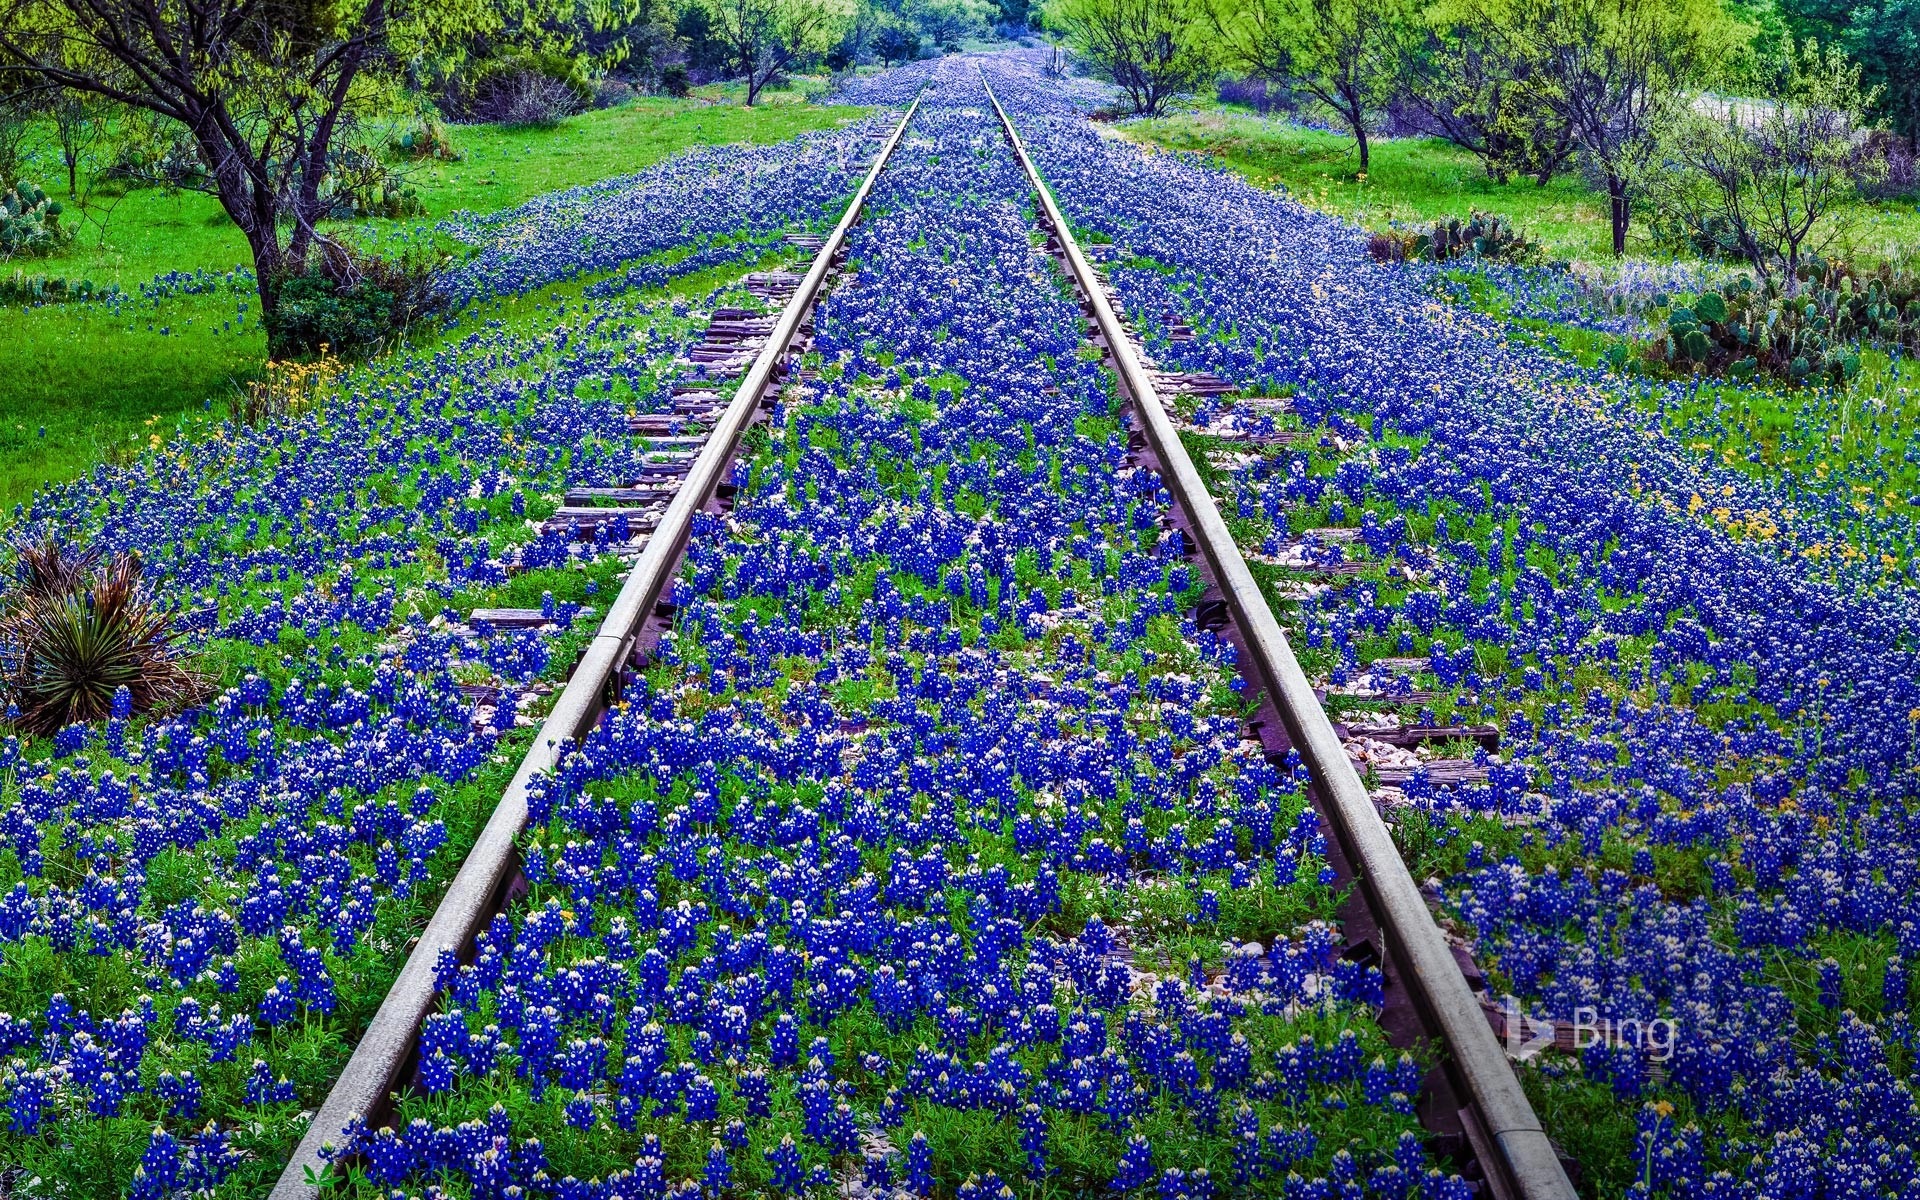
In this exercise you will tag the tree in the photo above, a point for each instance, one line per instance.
(896, 42)
(1153, 49)
(1884, 37)
(949, 23)
(767, 37)
(263, 87)
(1464, 75)
(1016, 14)
(1347, 54)
(1766, 180)
(1609, 69)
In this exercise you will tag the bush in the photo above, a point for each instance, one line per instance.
(520, 88)
(84, 640)
(674, 80)
(1900, 173)
(22, 288)
(174, 164)
(424, 139)
(1483, 235)
(353, 304)
(358, 185)
(30, 222)
(1256, 94)
(1813, 336)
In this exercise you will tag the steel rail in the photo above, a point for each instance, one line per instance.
(1519, 1160)
(474, 895)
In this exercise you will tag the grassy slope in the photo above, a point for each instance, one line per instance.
(1421, 179)
(76, 380)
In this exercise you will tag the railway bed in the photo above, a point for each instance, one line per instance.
(1471, 1104)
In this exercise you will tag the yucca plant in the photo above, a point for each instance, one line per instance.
(76, 632)
(50, 567)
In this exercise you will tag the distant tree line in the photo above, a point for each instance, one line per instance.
(1627, 90)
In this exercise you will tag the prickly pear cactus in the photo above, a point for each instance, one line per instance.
(1811, 336)
(30, 222)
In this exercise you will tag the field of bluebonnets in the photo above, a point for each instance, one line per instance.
(931, 853)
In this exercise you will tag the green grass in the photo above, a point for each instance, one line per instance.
(1412, 179)
(77, 383)
(1424, 179)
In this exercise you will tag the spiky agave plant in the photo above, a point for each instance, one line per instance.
(70, 648)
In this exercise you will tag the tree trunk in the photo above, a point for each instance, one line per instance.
(1360, 135)
(269, 274)
(1618, 211)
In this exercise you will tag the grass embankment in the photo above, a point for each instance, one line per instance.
(1424, 179)
(78, 380)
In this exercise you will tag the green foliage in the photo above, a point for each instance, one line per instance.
(1767, 182)
(1612, 71)
(896, 42)
(1884, 37)
(1464, 75)
(77, 632)
(518, 87)
(1345, 54)
(1811, 335)
(171, 162)
(1482, 235)
(30, 222)
(360, 185)
(1152, 49)
(425, 138)
(352, 306)
(22, 288)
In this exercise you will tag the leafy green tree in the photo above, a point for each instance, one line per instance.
(1017, 14)
(263, 87)
(896, 42)
(1884, 37)
(1346, 54)
(765, 38)
(693, 28)
(1767, 181)
(1153, 49)
(1466, 76)
(1612, 70)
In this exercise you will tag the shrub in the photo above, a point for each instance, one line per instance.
(424, 139)
(173, 164)
(1900, 172)
(353, 303)
(1813, 336)
(1483, 235)
(520, 88)
(22, 288)
(674, 80)
(1769, 182)
(30, 222)
(359, 185)
(78, 634)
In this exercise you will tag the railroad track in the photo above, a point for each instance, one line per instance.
(1483, 1094)
(1476, 1095)
(704, 436)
